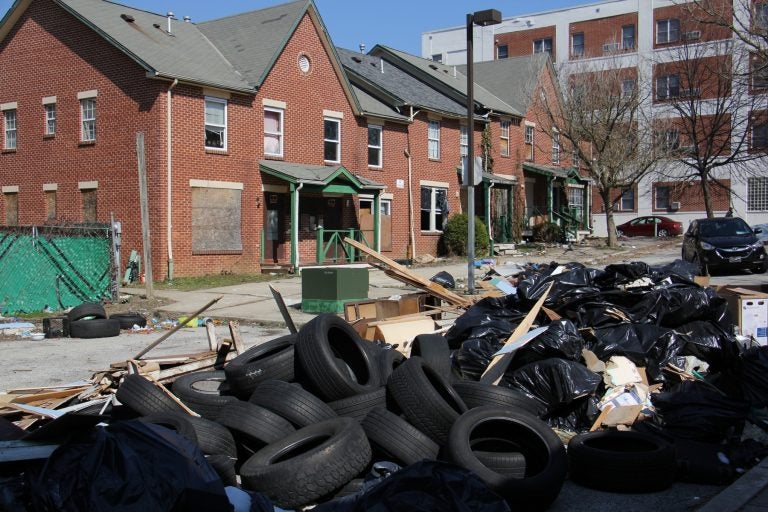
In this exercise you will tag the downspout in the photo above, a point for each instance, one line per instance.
(169, 173)
(411, 250)
(295, 228)
(488, 219)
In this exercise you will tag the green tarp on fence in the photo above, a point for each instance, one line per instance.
(54, 267)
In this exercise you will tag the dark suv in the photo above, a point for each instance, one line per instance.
(724, 242)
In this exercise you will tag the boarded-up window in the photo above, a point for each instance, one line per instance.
(216, 218)
(50, 204)
(89, 205)
(11, 209)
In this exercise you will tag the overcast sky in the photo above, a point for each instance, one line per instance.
(395, 23)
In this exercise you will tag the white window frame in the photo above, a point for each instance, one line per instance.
(50, 118)
(10, 129)
(374, 147)
(665, 80)
(671, 139)
(279, 134)
(499, 53)
(529, 138)
(657, 197)
(540, 45)
(88, 120)
(757, 194)
(625, 38)
(463, 140)
(556, 148)
(433, 210)
(336, 142)
(579, 53)
(505, 150)
(667, 28)
(433, 140)
(628, 87)
(629, 196)
(221, 127)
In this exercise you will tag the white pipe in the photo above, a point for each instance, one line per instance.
(295, 221)
(169, 173)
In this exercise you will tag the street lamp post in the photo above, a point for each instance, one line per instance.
(483, 19)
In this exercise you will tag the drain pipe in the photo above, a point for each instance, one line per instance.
(169, 173)
(411, 250)
(295, 222)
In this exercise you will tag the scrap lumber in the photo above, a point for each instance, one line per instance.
(403, 274)
(237, 338)
(178, 326)
(283, 310)
(210, 331)
(498, 365)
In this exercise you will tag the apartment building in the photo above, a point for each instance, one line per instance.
(656, 43)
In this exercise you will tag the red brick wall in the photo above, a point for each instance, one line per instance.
(49, 53)
(521, 42)
(691, 19)
(598, 32)
(691, 196)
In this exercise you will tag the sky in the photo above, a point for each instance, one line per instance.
(395, 23)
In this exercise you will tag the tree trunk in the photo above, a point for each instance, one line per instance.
(609, 222)
(707, 192)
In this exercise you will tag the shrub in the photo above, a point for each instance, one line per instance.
(455, 236)
(547, 232)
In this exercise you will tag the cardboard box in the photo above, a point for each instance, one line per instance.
(749, 308)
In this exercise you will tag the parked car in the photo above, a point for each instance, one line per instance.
(762, 236)
(653, 225)
(724, 242)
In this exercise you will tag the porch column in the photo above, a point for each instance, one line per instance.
(510, 213)
(295, 224)
(377, 221)
(549, 199)
(488, 221)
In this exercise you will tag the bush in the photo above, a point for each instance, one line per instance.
(547, 232)
(455, 236)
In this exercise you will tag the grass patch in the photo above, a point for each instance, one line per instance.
(186, 284)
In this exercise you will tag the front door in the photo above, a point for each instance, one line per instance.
(275, 247)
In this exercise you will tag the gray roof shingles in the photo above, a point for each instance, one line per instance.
(513, 80)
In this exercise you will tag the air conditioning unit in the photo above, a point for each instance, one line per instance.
(674, 205)
(692, 35)
(610, 47)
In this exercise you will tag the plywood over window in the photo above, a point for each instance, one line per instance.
(216, 220)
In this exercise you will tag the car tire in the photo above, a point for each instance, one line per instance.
(96, 328)
(434, 350)
(205, 392)
(253, 425)
(224, 465)
(128, 320)
(619, 233)
(85, 310)
(359, 406)
(144, 397)
(389, 359)
(760, 269)
(398, 439)
(477, 394)
(288, 471)
(662, 233)
(292, 402)
(212, 438)
(616, 461)
(273, 359)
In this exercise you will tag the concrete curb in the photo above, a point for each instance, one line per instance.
(734, 497)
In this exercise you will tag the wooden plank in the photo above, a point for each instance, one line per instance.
(144, 207)
(499, 363)
(38, 397)
(237, 338)
(177, 327)
(41, 389)
(170, 374)
(210, 331)
(283, 310)
(172, 396)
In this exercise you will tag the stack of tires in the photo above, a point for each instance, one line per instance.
(90, 320)
(302, 417)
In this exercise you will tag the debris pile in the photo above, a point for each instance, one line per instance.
(624, 379)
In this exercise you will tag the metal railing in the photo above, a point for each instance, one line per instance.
(332, 249)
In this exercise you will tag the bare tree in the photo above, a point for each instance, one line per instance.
(600, 113)
(708, 107)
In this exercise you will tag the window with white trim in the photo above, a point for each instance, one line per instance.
(626, 202)
(529, 129)
(375, 154)
(434, 208)
(667, 31)
(9, 126)
(576, 200)
(88, 120)
(50, 119)
(332, 140)
(505, 138)
(577, 44)
(667, 86)
(273, 131)
(542, 45)
(433, 136)
(556, 148)
(502, 51)
(662, 197)
(671, 139)
(627, 87)
(757, 194)
(463, 140)
(628, 37)
(215, 123)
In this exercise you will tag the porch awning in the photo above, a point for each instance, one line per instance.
(545, 170)
(319, 177)
(502, 181)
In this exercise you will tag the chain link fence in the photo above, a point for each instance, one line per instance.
(52, 268)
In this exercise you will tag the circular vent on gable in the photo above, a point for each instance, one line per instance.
(304, 63)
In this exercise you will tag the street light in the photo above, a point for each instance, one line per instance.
(483, 19)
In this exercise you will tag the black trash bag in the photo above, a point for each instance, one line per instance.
(696, 410)
(646, 345)
(575, 282)
(561, 340)
(677, 305)
(679, 271)
(594, 312)
(554, 382)
(444, 279)
(578, 416)
(492, 318)
(619, 274)
(752, 376)
(425, 486)
(130, 465)
(709, 342)
(474, 356)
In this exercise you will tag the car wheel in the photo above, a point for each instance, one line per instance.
(619, 233)
(702, 268)
(662, 233)
(760, 269)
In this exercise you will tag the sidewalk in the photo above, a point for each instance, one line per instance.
(747, 494)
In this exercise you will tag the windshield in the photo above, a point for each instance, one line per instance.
(736, 227)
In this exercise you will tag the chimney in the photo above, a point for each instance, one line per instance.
(362, 47)
(170, 17)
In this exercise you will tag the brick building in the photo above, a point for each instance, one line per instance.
(262, 148)
(669, 52)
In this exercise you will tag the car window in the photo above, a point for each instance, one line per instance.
(725, 228)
